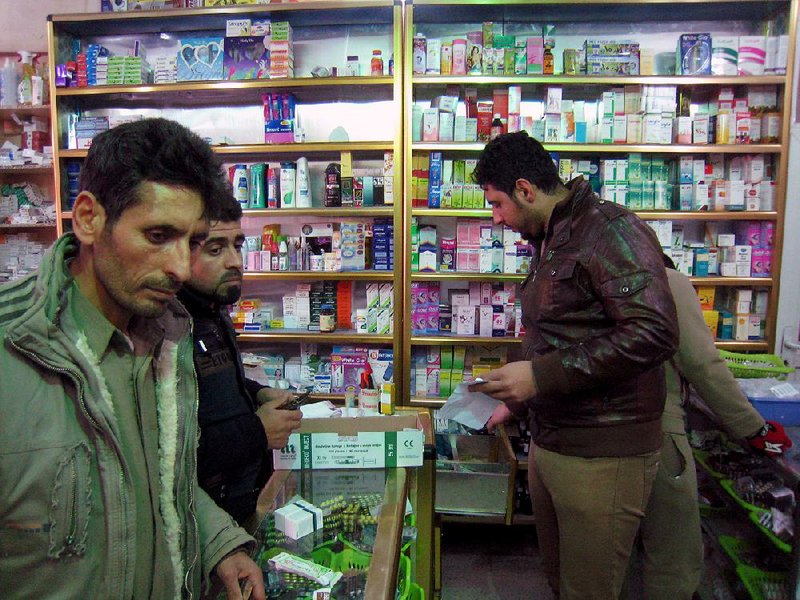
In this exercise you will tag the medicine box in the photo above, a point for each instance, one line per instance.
(353, 443)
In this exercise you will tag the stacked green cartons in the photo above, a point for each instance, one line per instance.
(414, 245)
(116, 70)
(459, 172)
(635, 180)
(445, 372)
(662, 190)
(452, 369)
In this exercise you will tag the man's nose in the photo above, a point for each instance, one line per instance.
(179, 265)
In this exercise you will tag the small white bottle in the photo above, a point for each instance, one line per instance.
(302, 188)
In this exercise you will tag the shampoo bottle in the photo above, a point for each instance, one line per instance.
(25, 87)
(302, 188)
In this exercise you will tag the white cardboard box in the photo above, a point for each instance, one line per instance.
(353, 443)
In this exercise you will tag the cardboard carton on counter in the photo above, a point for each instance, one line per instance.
(353, 443)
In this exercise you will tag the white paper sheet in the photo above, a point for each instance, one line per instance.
(472, 409)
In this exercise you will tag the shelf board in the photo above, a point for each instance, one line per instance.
(756, 345)
(612, 148)
(214, 18)
(422, 80)
(225, 86)
(590, 11)
(303, 148)
(339, 211)
(66, 214)
(466, 276)
(294, 335)
(24, 111)
(447, 340)
(27, 226)
(427, 401)
(734, 281)
(26, 170)
(710, 215)
(319, 275)
(485, 519)
(452, 212)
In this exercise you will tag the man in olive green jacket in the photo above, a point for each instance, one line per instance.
(98, 398)
(671, 542)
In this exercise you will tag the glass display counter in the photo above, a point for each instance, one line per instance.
(376, 527)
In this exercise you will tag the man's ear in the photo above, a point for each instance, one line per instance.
(525, 189)
(88, 218)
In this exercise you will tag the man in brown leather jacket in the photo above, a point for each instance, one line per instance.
(599, 321)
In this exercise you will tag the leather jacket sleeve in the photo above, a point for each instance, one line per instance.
(628, 279)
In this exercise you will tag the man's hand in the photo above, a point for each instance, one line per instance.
(500, 415)
(512, 384)
(268, 394)
(238, 566)
(278, 424)
(770, 439)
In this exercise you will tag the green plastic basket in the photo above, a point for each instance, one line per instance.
(779, 543)
(736, 549)
(727, 485)
(414, 593)
(350, 558)
(750, 366)
(758, 582)
(403, 576)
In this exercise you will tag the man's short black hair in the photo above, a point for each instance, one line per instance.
(150, 150)
(230, 209)
(513, 156)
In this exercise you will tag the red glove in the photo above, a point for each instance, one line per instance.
(771, 440)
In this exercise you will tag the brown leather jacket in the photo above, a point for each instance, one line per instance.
(600, 321)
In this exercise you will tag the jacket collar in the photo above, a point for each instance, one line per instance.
(198, 305)
(560, 223)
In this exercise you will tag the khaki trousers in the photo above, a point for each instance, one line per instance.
(671, 540)
(587, 513)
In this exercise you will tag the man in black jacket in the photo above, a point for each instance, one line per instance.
(239, 418)
(599, 323)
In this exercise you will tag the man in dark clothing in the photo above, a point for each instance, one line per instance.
(239, 419)
(599, 323)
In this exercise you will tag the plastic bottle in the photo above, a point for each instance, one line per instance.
(391, 64)
(8, 83)
(548, 61)
(327, 318)
(376, 64)
(333, 185)
(25, 86)
(283, 255)
(497, 127)
(241, 187)
(302, 188)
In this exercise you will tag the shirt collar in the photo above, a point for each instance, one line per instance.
(99, 331)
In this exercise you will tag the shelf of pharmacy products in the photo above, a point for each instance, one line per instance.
(315, 337)
(260, 150)
(319, 276)
(611, 148)
(584, 80)
(654, 215)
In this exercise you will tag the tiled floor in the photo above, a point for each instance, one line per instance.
(491, 562)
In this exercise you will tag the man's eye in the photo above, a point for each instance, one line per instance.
(238, 247)
(214, 251)
(156, 237)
